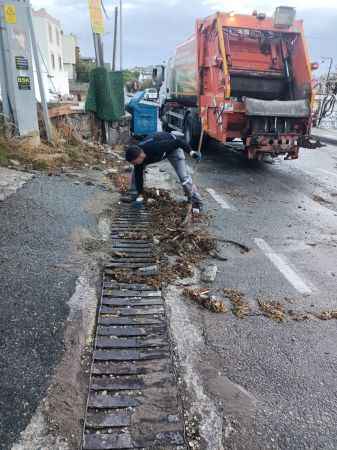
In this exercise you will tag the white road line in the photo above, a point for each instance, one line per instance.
(281, 264)
(219, 199)
(327, 172)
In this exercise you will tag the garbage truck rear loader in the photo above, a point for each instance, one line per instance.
(241, 76)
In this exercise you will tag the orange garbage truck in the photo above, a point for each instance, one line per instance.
(241, 78)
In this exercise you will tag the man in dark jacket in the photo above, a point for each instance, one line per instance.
(155, 148)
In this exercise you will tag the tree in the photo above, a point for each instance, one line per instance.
(83, 69)
(129, 75)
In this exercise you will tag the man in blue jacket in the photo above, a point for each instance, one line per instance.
(155, 148)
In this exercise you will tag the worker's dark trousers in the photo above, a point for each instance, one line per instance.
(178, 162)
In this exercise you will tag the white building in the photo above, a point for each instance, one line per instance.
(50, 46)
(69, 43)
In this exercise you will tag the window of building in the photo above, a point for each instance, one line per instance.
(57, 36)
(50, 32)
(60, 63)
(53, 61)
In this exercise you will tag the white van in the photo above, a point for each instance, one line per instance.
(151, 94)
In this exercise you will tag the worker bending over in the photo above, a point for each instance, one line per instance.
(157, 147)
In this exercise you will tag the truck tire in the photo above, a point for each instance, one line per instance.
(192, 130)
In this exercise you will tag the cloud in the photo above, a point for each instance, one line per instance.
(153, 28)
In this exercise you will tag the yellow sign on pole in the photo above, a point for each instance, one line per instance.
(10, 14)
(96, 16)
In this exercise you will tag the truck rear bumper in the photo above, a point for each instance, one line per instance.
(258, 146)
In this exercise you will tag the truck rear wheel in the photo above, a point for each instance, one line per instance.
(192, 130)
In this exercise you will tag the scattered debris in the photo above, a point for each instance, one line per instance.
(132, 277)
(148, 271)
(327, 315)
(319, 199)
(216, 305)
(14, 162)
(298, 317)
(68, 150)
(122, 182)
(271, 309)
(175, 239)
(243, 248)
(193, 432)
(136, 236)
(240, 308)
(205, 299)
(208, 273)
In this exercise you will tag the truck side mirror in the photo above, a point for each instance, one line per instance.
(314, 66)
(154, 74)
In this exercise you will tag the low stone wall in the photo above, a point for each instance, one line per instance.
(119, 132)
(85, 126)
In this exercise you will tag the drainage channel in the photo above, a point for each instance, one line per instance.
(133, 400)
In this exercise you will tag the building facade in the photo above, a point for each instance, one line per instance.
(49, 37)
(69, 43)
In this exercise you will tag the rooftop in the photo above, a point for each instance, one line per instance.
(44, 14)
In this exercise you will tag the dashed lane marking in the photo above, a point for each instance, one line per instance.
(220, 199)
(282, 265)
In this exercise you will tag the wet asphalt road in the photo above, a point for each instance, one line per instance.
(39, 266)
(287, 216)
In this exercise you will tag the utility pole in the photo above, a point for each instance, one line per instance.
(39, 76)
(115, 40)
(16, 70)
(97, 25)
(121, 33)
(329, 72)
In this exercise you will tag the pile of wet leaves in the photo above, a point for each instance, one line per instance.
(273, 310)
(178, 232)
(327, 315)
(204, 298)
(240, 307)
(122, 182)
(132, 277)
(180, 239)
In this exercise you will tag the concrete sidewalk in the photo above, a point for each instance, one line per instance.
(328, 136)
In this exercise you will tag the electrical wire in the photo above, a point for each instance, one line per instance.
(105, 11)
(47, 71)
(328, 107)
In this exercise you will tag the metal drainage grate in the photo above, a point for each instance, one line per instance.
(133, 400)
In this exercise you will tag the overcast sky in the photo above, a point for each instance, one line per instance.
(152, 28)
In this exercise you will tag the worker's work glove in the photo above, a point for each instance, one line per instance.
(195, 155)
(139, 202)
